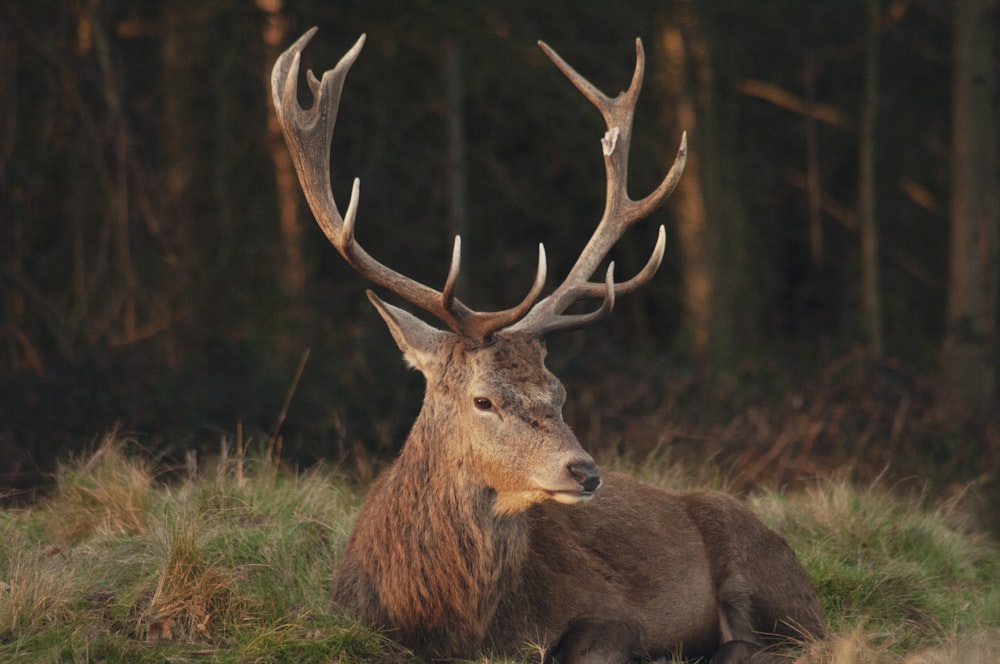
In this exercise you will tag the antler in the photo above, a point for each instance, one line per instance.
(620, 212)
(308, 134)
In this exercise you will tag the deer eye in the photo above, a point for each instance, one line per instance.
(482, 403)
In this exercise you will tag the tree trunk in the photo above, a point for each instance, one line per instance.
(718, 289)
(293, 269)
(871, 297)
(970, 344)
(689, 199)
(814, 190)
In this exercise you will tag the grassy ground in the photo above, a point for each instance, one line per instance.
(233, 564)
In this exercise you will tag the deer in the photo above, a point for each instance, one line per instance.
(493, 529)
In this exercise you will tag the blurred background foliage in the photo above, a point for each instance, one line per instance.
(158, 268)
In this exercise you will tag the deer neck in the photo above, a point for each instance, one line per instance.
(442, 556)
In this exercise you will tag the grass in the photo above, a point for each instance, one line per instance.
(234, 563)
(899, 581)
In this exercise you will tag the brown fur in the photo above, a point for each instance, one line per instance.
(458, 552)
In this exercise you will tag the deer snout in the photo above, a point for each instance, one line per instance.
(586, 474)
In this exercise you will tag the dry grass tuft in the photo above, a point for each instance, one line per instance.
(979, 648)
(195, 597)
(34, 587)
(862, 646)
(855, 646)
(107, 493)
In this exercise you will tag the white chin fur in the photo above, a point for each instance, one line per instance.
(571, 498)
(512, 503)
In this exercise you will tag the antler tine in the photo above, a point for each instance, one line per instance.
(620, 211)
(448, 292)
(308, 134)
(542, 327)
(485, 324)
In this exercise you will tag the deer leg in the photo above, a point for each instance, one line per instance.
(592, 642)
(739, 641)
(736, 610)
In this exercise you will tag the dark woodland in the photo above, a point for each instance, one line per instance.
(828, 303)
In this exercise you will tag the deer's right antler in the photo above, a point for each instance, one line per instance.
(308, 134)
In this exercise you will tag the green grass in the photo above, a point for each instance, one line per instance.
(235, 566)
(899, 581)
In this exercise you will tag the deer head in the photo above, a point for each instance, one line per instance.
(490, 406)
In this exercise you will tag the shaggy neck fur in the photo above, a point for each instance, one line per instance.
(428, 559)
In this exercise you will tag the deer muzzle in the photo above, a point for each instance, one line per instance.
(587, 475)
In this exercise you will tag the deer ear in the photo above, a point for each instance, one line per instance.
(418, 340)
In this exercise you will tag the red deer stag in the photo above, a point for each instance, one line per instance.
(485, 534)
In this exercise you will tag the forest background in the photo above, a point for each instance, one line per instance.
(827, 304)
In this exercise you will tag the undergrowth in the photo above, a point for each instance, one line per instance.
(233, 563)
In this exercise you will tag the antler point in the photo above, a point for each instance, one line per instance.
(543, 267)
(347, 227)
(451, 281)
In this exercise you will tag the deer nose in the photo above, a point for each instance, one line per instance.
(586, 474)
